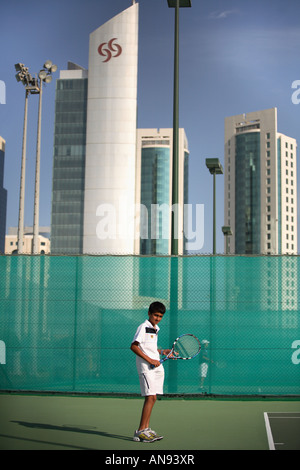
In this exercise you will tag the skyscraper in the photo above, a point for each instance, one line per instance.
(154, 189)
(3, 197)
(69, 161)
(111, 135)
(260, 187)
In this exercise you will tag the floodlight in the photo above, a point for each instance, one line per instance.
(53, 68)
(48, 79)
(34, 82)
(48, 64)
(19, 67)
(42, 74)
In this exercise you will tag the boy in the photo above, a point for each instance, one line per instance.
(144, 345)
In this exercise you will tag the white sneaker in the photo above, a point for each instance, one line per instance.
(144, 436)
(157, 436)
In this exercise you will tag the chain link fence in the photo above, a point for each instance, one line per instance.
(67, 322)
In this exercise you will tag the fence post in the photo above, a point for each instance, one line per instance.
(212, 304)
(75, 322)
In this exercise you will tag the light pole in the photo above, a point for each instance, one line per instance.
(215, 168)
(176, 4)
(227, 233)
(31, 87)
(44, 76)
(175, 171)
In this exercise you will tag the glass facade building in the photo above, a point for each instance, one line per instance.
(154, 190)
(69, 166)
(247, 193)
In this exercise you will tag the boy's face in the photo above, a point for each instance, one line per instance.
(155, 318)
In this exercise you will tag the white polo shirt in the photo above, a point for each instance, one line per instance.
(146, 336)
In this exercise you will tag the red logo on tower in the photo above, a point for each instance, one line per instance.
(111, 50)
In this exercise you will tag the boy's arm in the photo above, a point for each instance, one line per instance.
(164, 352)
(137, 350)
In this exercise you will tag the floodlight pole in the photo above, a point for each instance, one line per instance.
(214, 216)
(177, 4)
(44, 75)
(175, 170)
(35, 246)
(22, 179)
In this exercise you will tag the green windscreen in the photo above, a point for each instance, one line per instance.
(67, 322)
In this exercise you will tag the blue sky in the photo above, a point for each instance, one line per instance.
(235, 57)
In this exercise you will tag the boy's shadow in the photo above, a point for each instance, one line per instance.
(78, 429)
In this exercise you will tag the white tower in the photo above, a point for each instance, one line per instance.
(111, 136)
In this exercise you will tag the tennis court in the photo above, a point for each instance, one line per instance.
(42, 422)
(283, 430)
(67, 323)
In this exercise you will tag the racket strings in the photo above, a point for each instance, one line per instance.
(187, 346)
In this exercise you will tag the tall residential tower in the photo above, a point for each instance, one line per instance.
(260, 187)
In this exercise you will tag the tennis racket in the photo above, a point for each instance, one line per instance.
(184, 347)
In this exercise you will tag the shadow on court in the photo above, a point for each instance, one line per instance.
(80, 430)
(69, 428)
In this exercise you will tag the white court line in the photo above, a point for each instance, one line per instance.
(269, 432)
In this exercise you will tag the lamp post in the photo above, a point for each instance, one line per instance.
(176, 4)
(31, 87)
(227, 233)
(215, 168)
(44, 76)
(175, 171)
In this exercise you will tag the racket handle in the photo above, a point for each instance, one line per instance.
(153, 367)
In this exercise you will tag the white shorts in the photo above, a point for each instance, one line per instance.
(203, 369)
(152, 382)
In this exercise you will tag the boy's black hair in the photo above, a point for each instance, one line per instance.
(157, 307)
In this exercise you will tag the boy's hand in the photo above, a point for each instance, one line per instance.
(173, 354)
(154, 363)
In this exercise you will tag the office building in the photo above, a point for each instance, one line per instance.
(95, 144)
(3, 197)
(154, 190)
(69, 161)
(260, 186)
